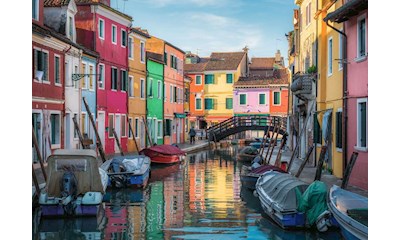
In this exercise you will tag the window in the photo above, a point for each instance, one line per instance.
(129, 128)
(166, 58)
(159, 89)
(151, 87)
(229, 78)
(142, 88)
(130, 48)
(339, 129)
(229, 103)
(35, 10)
(209, 79)
(362, 123)
(159, 128)
(137, 127)
(142, 52)
(317, 130)
(101, 28)
(330, 56)
(171, 99)
(55, 122)
(198, 80)
(84, 129)
(308, 14)
(198, 104)
(114, 34)
(114, 78)
(167, 129)
(84, 79)
(130, 87)
(110, 125)
(173, 62)
(57, 69)
(361, 42)
(175, 95)
(123, 125)
(261, 99)
(242, 99)
(209, 103)
(76, 70)
(124, 80)
(340, 63)
(75, 132)
(101, 77)
(71, 28)
(91, 83)
(41, 63)
(277, 98)
(123, 38)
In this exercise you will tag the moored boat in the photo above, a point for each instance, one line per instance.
(292, 203)
(164, 154)
(127, 171)
(350, 211)
(75, 184)
(250, 175)
(247, 154)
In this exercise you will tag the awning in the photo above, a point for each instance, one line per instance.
(348, 10)
(180, 115)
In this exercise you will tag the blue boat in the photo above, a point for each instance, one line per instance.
(127, 171)
(292, 203)
(350, 211)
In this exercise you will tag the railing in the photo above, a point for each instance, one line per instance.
(237, 124)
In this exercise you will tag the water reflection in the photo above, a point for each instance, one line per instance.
(201, 198)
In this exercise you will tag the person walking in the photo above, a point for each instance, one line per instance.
(192, 134)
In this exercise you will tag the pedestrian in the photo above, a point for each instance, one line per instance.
(192, 134)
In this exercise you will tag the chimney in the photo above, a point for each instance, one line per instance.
(245, 49)
(278, 57)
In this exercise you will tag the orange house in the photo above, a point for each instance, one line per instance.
(174, 113)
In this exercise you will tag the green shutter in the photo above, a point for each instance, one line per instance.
(229, 103)
(209, 79)
(198, 79)
(198, 103)
(363, 110)
(209, 103)
(242, 98)
(261, 98)
(229, 78)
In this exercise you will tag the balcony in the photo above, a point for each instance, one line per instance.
(303, 85)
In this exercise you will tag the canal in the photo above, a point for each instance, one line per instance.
(201, 198)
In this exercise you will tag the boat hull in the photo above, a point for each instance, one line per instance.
(134, 180)
(166, 159)
(58, 210)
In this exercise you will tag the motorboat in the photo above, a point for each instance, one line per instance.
(164, 154)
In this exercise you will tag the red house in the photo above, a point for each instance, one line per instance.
(105, 30)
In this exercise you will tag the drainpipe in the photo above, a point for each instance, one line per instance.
(345, 93)
(316, 88)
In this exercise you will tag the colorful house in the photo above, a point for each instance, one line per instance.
(194, 69)
(330, 91)
(220, 73)
(105, 30)
(173, 85)
(137, 88)
(48, 81)
(154, 95)
(354, 16)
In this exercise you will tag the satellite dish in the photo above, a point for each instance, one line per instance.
(39, 75)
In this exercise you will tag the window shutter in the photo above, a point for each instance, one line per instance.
(339, 129)
(45, 67)
(363, 139)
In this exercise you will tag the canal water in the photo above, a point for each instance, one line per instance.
(201, 198)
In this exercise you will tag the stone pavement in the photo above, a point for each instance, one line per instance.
(307, 174)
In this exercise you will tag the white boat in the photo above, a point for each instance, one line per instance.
(75, 184)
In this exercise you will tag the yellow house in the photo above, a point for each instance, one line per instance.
(137, 88)
(221, 72)
(330, 87)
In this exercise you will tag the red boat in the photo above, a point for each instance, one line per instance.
(164, 154)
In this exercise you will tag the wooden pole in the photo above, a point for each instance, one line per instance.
(117, 140)
(348, 170)
(320, 163)
(35, 181)
(35, 143)
(147, 131)
(278, 157)
(98, 140)
(133, 136)
(269, 144)
(78, 132)
(264, 141)
(274, 143)
(303, 164)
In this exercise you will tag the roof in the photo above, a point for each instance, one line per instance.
(195, 67)
(348, 10)
(281, 77)
(56, 3)
(142, 32)
(102, 3)
(224, 61)
(155, 57)
(262, 63)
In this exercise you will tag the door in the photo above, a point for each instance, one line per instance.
(117, 131)
(37, 128)
(67, 131)
(179, 131)
(101, 126)
(142, 135)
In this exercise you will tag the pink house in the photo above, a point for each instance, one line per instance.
(105, 30)
(354, 14)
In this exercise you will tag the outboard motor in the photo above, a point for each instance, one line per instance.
(69, 190)
(117, 166)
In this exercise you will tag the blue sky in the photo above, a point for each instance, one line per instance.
(205, 26)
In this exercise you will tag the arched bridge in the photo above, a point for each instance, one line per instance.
(238, 124)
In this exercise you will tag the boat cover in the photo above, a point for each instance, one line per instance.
(83, 163)
(313, 201)
(249, 150)
(265, 168)
(283, 189)
(163, 149)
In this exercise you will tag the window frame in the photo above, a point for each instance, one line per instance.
(280, 98)
(42, 51)
(101, 76)
(124, 80)
(265, 99)
(101, 29)
(339, 149)
(131, 90)
(91, 79)
(142, 89)
(212, 78)
(195, 104)
(36, 10)
(137, 127)
(56, 144)
(329, 56)
(142, 51)
(123, 125)
(231, 74)
(131, 44)
(112, 34)
(226, 103)
(212, 104)
(123, 38)
(110, 132)
(358, 144)
(56, 56)
(112, 79)
(84, 80)
(159, 92)
(201, 80)
(245, 99)
(359, 56)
